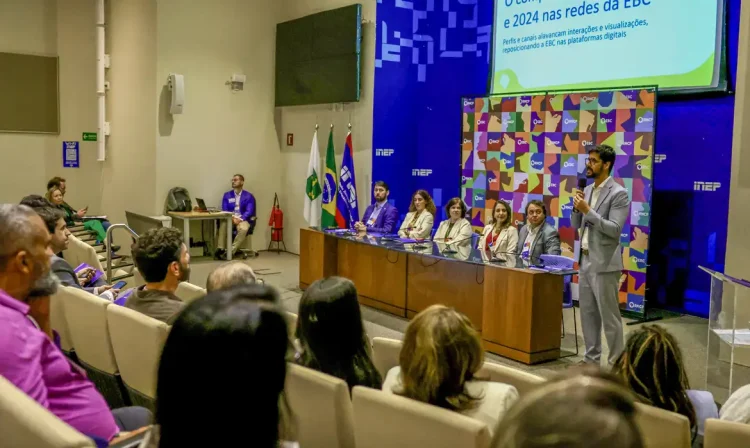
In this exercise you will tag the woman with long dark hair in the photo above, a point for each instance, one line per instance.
(421, 217)
(222, 372)
(499, 237)
(331, 334)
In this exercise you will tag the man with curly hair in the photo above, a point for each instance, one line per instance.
(164, 262)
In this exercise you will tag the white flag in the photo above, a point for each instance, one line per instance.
(313, 190)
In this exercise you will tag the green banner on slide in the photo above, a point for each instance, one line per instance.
(89, 137)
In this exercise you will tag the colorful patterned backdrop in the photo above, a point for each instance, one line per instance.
(520, 148)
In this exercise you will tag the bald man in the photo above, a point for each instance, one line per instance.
(230, 274)
(28, 357)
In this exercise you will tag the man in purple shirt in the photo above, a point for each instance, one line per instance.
(241, 204)
(28, 357)
(380, 217)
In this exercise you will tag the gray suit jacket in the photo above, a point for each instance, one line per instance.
(547, 241)
(604, 222)
(68, 277)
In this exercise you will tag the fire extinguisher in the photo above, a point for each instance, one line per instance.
(276, 220)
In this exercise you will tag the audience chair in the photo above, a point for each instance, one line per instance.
(661, 428)
(137, 341)
(387, 420)
(385, 353)
(724, 434)
(291, 320)
(524, 382)
(25, 423)
(86, 315)
(321, 407)
(189, 292)
(58, 321)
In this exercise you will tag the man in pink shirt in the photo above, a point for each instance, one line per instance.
(28, 357)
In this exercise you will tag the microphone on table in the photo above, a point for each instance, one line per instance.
(449, 250)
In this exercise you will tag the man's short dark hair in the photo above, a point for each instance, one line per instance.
(606, 153)
(55, 182)
(36, 201)
(50, 215)
(242, 178)
(539, 204)
(381, 183)
(155, 250)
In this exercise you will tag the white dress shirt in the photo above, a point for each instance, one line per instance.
(530, 237)
(594, 199)
(237, 197)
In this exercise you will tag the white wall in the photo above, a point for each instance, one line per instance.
(220, 132)
(26, 26)
(300, 121)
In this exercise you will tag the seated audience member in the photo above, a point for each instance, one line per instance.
(229, 275)
(439, 360)
(380, 217)
(55, 223)
(652, 367)
(581, 412)
(331, 333)
(55, 196)
(164, 262)
(234, 341)
(537, 237)
(456, 227)
(242, 204)
(500, 237)
(737, 407)
(419, 221)
(60, 183)
(28, 356)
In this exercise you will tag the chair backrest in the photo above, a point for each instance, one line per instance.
(84, 253)
(382, 419)
(385, 353)
(524, 382)
(86, 315)
(724, 434)
(661, 428)
(189, 292)
(137, 341)
(70, 254)
(25, 423)
(59, 322)
(291, 321)
(322, 408)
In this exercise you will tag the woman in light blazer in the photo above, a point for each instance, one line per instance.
(456, 227)
(499, 237)
(418, 222)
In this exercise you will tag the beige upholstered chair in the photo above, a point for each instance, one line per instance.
(25, 423)
(137, 341)
(86, 315)
(387, 420)
(524, 382)
(385, 354)
(723, 434)
(662, 429)
(291, 320)
(59, 322)
(189, 292)
(322, 408)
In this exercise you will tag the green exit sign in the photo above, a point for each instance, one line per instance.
(89, 136)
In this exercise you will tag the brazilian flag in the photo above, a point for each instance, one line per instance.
(330, 186)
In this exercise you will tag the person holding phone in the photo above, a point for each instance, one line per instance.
(72, 215)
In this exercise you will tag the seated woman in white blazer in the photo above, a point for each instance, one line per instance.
(418, 222)
(456, 227)
(499, 237)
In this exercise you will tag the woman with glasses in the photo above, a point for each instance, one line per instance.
(537, 237)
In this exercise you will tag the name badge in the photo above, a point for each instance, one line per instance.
(232, 200)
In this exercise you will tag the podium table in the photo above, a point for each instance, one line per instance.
(517, 309)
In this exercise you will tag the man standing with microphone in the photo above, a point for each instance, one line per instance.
(600, 212)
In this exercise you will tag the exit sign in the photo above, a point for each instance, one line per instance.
(89, 137)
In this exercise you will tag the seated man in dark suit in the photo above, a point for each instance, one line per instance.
(538, 236)
(380, 217)
(54, 220)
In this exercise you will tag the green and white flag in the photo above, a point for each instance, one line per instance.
(313, 190)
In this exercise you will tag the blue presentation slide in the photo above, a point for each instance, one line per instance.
(579, 44)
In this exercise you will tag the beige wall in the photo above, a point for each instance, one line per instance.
(300, 121)
(26, 26)
(220, 132)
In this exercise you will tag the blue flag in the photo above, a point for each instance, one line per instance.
(347, 211)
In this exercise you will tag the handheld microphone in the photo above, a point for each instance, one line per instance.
(581, 186)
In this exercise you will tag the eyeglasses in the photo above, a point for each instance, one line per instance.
(590, 161)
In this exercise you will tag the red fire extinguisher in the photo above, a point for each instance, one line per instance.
(276, 220)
